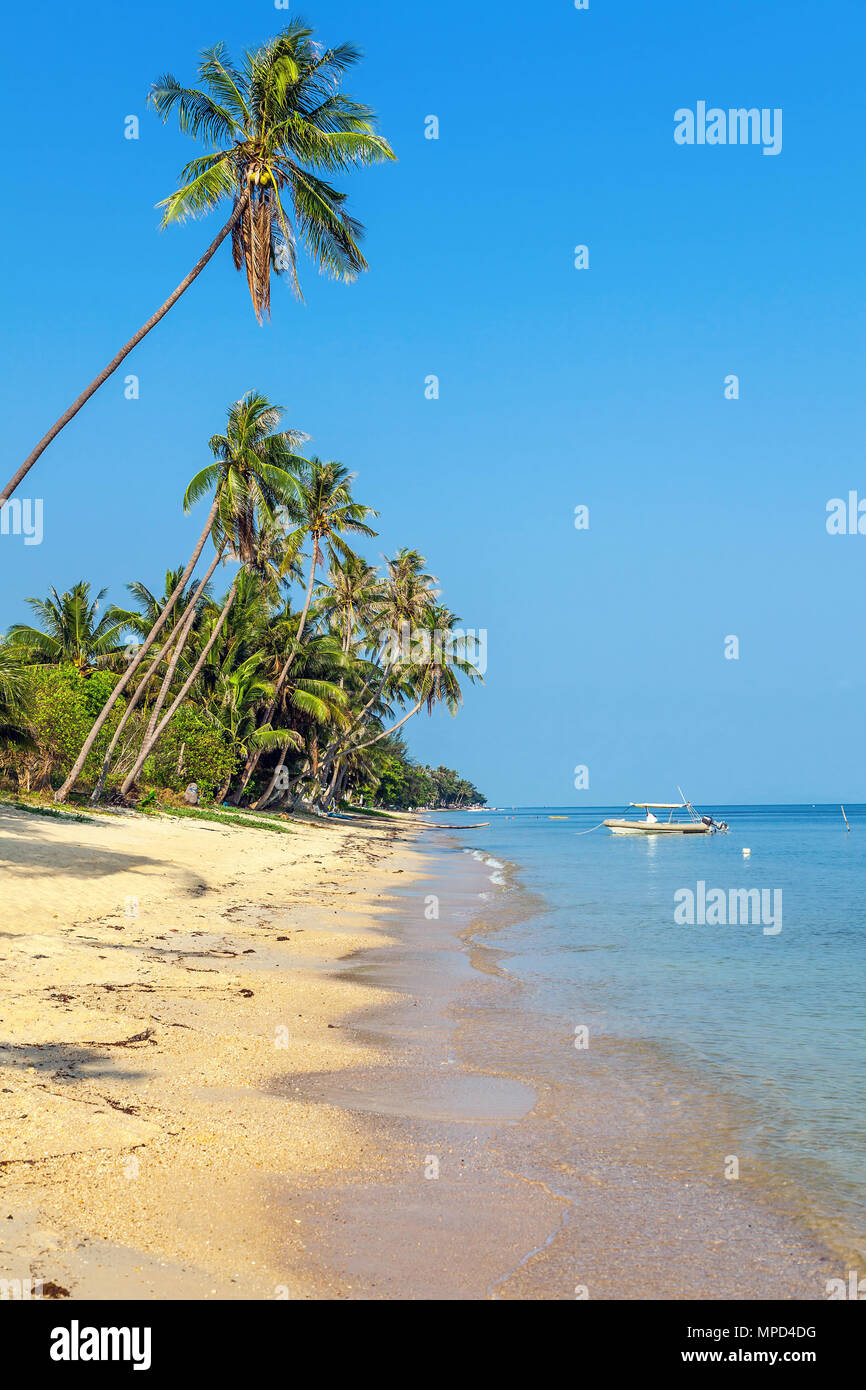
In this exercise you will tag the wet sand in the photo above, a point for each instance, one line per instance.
(517, 1171)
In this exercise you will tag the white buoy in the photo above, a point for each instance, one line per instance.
(746, 853)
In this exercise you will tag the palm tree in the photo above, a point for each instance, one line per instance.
(14, 701)
(406, 593)
(255, 469)
(281, 123)
(399, 605)
(311, 700)
(149, 606)
(346, 603)
(234, 709)
(150, 613)
(325, 510)
(154, 732)
(255, 476)
(245, 634)
(404, 628)
(430, 677)
(209, 526)
(254, 479)
(353, 588)
(72, 631)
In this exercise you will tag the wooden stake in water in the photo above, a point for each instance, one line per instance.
(845, 819)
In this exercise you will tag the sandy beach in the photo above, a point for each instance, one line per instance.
(247, 1064)
(157, 974)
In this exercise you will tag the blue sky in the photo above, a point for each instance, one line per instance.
(559, 387)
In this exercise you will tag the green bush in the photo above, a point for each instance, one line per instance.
(63, 705)
(190, 750)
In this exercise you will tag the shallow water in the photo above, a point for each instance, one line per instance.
(457, 1097)
(764, 1028)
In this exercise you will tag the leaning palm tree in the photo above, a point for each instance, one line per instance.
(255, 479)
(244, 635)
(250, 478)
(72, 631)
(148, 605)
(190, 612)
(209, 529)
(282, 128)
(417, 662)
(256, 467)
(214, 623)
(400, 605)
(431, 676)
(324, 513)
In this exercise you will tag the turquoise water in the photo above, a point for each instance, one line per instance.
(774, 1023)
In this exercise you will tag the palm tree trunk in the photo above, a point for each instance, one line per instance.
(298, 799)
(329, 758)
(341, 786)
(183, 634)
(288, 794)
(340, 743)
(255, 755)
(142, 685)
(149, 744)
(124, 352)
(267, 794)
(393, 729)
(332, 751)
(331, 792)
(62, 792)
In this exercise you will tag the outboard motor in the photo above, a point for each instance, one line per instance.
(717, 827)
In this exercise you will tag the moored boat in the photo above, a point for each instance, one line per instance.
(696, 824)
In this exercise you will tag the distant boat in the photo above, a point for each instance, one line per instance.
(651, 825)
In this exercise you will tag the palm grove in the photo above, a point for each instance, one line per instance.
(255, 697)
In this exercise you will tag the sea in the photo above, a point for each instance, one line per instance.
(615, 941)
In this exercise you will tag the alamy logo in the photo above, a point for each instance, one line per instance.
(417, 646)
(19, 518)
(736, 907)
(846, 518)
(20, 1288)
(736, 126)
(855, 1288)
(76, 1343)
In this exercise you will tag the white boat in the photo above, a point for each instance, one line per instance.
(695, 824)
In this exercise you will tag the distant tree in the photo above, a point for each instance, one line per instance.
(72, 631)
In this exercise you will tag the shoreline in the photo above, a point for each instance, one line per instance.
(518, 1206)
(243, 1092)
(701, 1124)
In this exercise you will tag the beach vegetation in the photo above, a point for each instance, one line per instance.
(285, 692)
